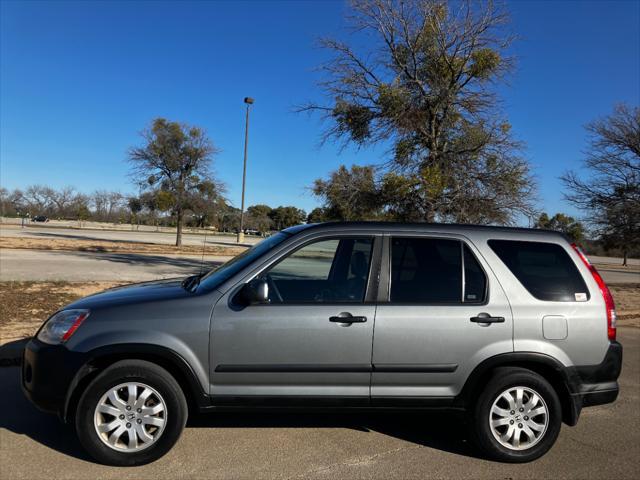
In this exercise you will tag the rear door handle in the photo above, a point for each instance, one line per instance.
(486, 318)
(346, 317)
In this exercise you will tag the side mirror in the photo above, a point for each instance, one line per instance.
(255, 292)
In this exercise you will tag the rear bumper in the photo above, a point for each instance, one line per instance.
(593, 385)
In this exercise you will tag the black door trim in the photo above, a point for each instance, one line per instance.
(294, 368)
(415, 368)
(338, 368)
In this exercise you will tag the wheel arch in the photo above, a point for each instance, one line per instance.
(103, 357)
(561, 378)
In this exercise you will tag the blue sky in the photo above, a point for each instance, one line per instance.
(79, 80)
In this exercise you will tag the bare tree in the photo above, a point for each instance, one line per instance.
(425, 84)
(608, 187)
(38, 199)
(62, 200)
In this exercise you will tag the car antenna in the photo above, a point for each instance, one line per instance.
(204, 244)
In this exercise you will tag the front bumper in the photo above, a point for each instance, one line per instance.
(48, 372)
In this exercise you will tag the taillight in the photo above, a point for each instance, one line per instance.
(606, 294)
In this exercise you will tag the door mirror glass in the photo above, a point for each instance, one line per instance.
(254, 292)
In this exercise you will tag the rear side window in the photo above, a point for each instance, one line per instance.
(544, 269)
(475, 282)
(430, 271)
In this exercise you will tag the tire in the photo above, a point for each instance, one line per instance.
(155, 416)
(517, 437)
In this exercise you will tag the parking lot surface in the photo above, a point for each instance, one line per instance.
(604, 445)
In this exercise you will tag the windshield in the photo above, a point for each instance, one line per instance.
(227, 270)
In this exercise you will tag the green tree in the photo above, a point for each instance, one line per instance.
(607, 188)
(228, 219)
(317, 215)
(258, 217)
(349, 194)
(284, 217)
(562, 223)
(205, 201)
(426, 85)
(135, 207)
(176, 157)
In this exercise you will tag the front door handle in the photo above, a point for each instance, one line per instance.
(486, 318)
(346, 317)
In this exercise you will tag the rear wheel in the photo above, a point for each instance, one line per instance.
(518, 416)
(131, 414)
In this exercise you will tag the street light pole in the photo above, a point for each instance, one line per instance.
(249, 102)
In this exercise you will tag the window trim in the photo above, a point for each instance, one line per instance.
(371, 285)
(386, 299)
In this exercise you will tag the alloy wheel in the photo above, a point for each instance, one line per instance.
(130, 417)
(519, 418)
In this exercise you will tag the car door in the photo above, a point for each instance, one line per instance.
(313, 339)
(442, 311)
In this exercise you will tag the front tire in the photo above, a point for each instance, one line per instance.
(518, 416)
(132, 413)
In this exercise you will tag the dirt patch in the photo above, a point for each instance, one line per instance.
(25, 305)
(627, 298)
(107, 246)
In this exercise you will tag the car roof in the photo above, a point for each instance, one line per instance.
(404, 226)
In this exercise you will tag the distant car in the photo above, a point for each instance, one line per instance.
(252, 232)
(515, 326)
(40, 218)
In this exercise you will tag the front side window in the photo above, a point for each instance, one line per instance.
(432, 271)
(326, 271)
(544, 269)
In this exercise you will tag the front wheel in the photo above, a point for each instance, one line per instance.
(131, 414)
(518, 416)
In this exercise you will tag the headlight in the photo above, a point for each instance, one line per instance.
(60, 327)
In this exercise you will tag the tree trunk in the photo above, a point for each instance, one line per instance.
(624, 257)
(179, 228)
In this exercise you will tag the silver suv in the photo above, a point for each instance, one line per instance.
(513, 326)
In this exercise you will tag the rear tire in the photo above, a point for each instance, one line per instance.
(132, 413)
(518, 416)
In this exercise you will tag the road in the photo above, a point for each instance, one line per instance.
(604, 445)
(41, 265)
(119, 235)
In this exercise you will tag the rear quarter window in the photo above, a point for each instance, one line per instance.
(544, 269)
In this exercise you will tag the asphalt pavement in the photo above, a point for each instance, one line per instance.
(43, 265)
(604, 445)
